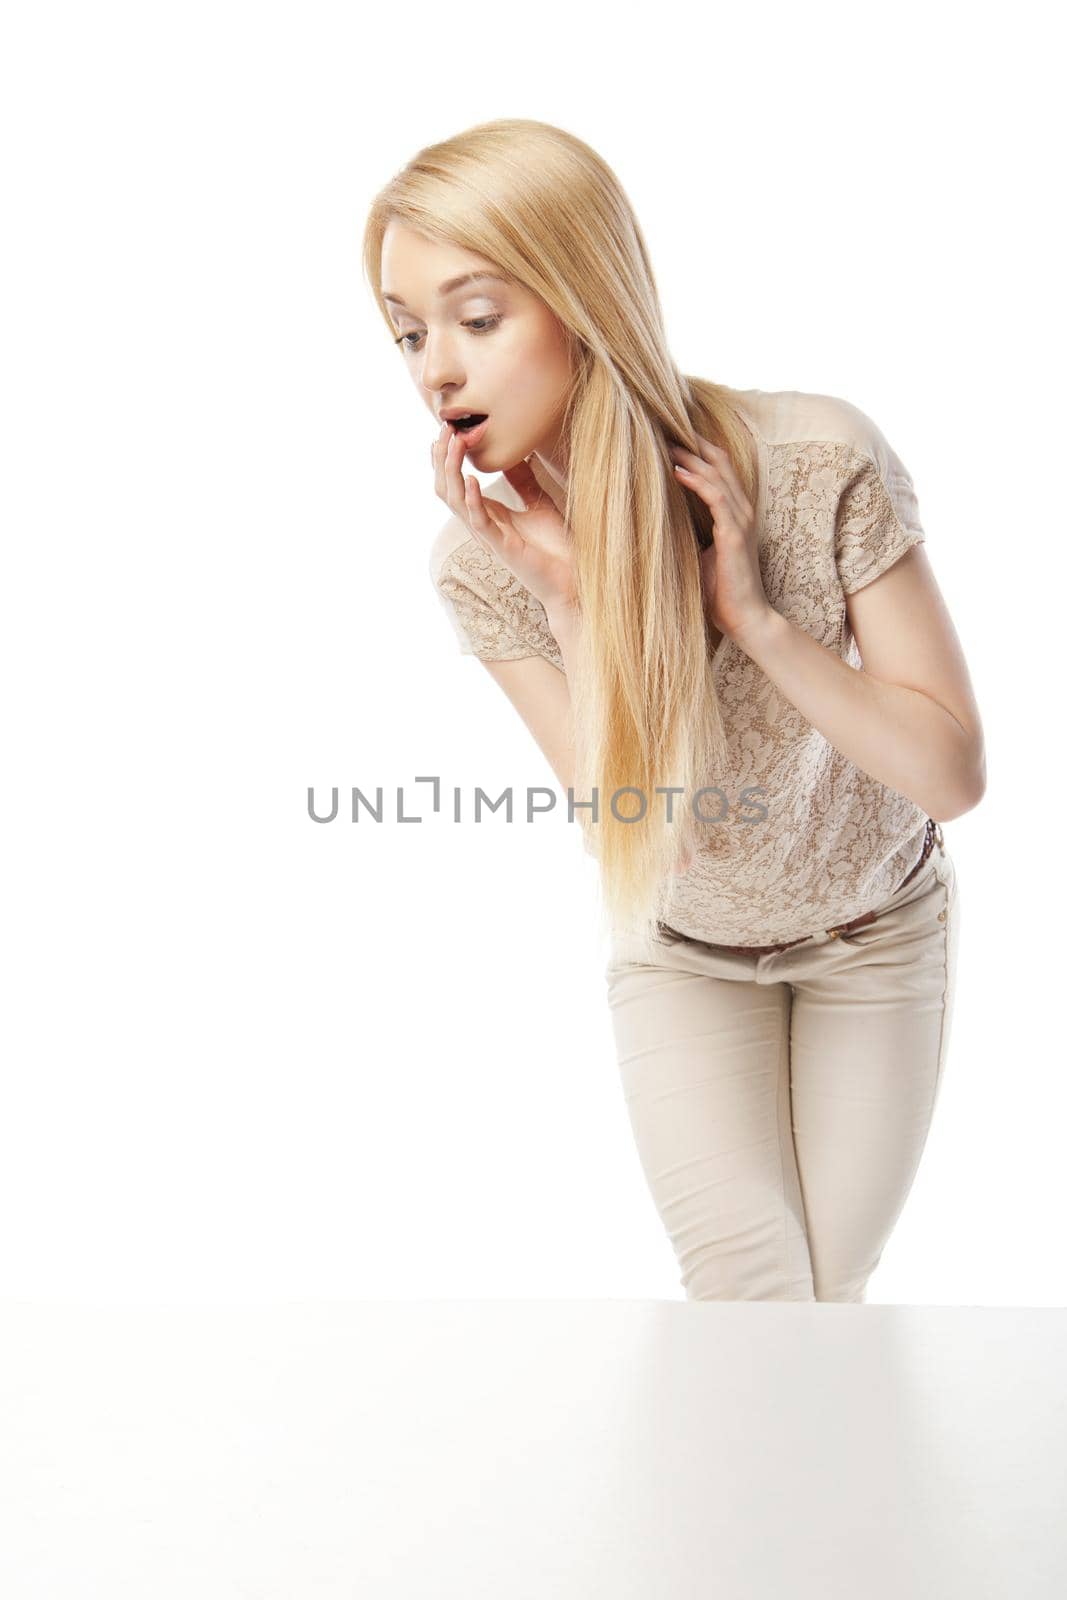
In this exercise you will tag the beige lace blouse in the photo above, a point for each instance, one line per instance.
(807, 840)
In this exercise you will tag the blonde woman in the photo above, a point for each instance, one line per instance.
(712, 610)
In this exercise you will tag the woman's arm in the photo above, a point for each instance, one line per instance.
(541, 695)
(908, 717)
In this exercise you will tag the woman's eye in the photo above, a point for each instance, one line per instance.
(475, 324)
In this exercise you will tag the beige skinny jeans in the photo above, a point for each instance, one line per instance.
(780, 1103)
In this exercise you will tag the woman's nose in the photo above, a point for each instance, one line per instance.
(441, 380)
(440, 369)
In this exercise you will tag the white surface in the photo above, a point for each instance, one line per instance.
(512, 1450)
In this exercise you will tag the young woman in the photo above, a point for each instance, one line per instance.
(711, 608)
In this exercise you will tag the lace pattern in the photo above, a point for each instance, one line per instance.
(875, 527)
(817, 841)
(807, 840)
(495, 616)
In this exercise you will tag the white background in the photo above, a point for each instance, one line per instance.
(248, 1057)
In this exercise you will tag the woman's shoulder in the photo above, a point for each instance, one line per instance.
(796, 416)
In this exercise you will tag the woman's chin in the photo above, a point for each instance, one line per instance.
(488, 459)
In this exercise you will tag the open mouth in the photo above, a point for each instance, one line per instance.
(473, 429)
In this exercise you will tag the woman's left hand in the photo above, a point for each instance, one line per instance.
(734, 596)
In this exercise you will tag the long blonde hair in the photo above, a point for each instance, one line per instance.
(545, 208)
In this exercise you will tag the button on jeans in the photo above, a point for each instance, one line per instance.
(780, 1103)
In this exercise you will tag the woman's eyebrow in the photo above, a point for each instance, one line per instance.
(451, 284)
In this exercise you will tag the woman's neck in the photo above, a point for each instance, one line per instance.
(551, 478)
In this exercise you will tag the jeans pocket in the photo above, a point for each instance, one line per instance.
(945, 868)
(923, 901)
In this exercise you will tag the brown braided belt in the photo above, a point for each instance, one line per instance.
(933, 835)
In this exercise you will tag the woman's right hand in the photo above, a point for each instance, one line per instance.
(535, 544)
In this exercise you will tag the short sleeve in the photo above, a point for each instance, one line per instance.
(492, 614)
(877, 515)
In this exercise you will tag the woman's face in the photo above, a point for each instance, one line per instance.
(491, 346)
